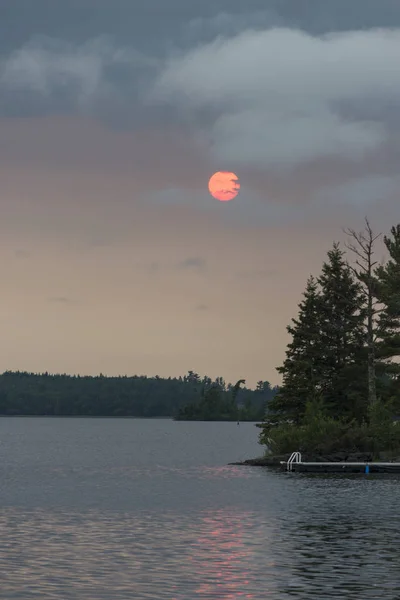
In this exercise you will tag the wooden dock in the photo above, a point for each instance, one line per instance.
(295, 464)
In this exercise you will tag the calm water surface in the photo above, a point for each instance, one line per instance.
(110, 509)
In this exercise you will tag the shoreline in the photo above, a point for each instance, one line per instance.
(337, 457)
(80, 417)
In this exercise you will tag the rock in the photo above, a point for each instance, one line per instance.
(388, 457)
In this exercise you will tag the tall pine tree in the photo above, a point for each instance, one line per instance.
(300, 371)
(342, 337)
(326, 359)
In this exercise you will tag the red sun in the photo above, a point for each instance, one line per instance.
(224, 186)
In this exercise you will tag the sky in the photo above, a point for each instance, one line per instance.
(113, 116)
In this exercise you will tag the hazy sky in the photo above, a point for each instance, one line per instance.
(113, 116)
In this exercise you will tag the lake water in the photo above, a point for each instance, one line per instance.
(110, 509)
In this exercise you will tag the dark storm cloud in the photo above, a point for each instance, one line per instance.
(47, 75)
(261, 84)
(98, 55)
(152, 25)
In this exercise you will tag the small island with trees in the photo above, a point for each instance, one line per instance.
(340, 394)
(232, 403)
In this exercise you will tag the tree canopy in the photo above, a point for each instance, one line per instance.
(23, 393)
(232, 403)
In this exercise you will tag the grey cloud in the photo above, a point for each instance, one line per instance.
(202, 307)
(361, 192)
(46, 71)
(292, 205)
(173, 196)
(249, 208)
(60, 300)
(76, 20)
(273, 138)
(76, 67)
(230, 23)
(334, 15)
(257, 96)
(195, 262)
(278, 94)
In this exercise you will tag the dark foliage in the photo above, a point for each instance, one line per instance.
(24, 393)
(232, 404)
(325, 402)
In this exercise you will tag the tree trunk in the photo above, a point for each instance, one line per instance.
(370, 340)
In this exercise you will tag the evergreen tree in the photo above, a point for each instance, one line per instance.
(264, 392)
(301, 369)
(342, 337)
(326, 358)
(388, 293)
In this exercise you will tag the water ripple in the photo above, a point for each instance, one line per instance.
(222, 554)
(118, 510)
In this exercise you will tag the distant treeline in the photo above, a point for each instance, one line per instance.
(43, 394)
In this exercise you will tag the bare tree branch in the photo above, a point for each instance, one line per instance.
(362, 245)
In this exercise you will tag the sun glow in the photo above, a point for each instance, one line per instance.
(224, 186)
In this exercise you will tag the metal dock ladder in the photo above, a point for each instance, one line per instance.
(295, 457)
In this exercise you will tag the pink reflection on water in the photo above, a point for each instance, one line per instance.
(225, 574)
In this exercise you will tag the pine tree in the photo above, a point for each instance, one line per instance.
(326, 360)
(342, 337)
(300, 370)
(388, 293)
